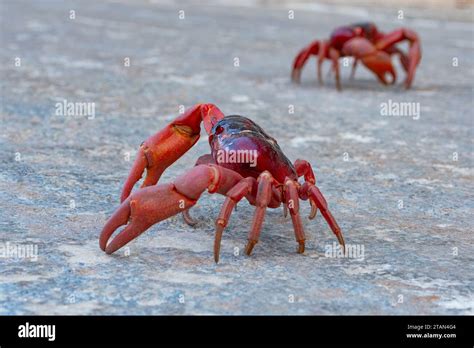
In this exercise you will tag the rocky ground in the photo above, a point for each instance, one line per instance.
(400, 187)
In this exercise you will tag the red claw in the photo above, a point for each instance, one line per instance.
(414, 52)
(162, 149)
(150, 205)
(141, 210)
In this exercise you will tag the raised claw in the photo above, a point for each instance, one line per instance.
(162, 149)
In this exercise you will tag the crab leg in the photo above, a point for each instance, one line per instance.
(301, 58)
(152, 204)
(316, 195)
(162, 149)
(292, 201)
(303, 168)
(334, 55)
(323, 53)
(264, 196)
(353, 69)
(234, 196)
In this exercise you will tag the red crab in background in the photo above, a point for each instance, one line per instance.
(269, 181)
(364, 42)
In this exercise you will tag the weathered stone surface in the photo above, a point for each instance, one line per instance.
(61, 175)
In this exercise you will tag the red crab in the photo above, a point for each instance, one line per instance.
(364, 42)
(268, 179)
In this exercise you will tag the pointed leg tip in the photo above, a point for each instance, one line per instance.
(249, 247)
(295, 76)
(217, 241)
(301, 247)
(216, 254)
(340, 238)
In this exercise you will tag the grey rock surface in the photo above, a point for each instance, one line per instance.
(401, 188)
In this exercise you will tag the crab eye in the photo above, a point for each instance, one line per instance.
(219, 130)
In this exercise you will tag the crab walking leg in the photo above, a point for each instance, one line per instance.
(334, 55)
(301, 58)
(316, 195)
(285, 210)
(152, 204)
(264, 196)
(303, 168)
(322, 54)
(292, 201)
(234, 196)
(162, 149)
(353, 69)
